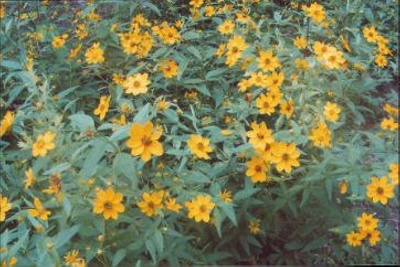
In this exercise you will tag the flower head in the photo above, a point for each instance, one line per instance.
(108, 203)
(379, 190)
(257, 170)
(267, 61)
(136, 84)
(354, 239)
(199, 146)
(254, 226)
(285, 156)
(103, 106)
(143, 141)
(39, 211)
(94, 54)
(331, 111)
(151, 203)
(6, 122)
(259, 135)
(4, 207)
(43, 144)
(367, 222)
(200, 208)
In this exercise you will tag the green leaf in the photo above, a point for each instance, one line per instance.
(65, 235)
(190, 35)
(118, 257)
(125, 164)
(152, 7)
(245, 193)
(93, 158)
(194, 51)
(218, 221)
(215, 74)
(196, 177)
(315, 244)
(151, 249)
(58, 169)
(82, 122)
(228, 210)
(143, 115)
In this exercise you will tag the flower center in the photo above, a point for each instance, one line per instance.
(258, 168)
(146, 141)
(203, 208)
(136, 84)
(200, 146)
(267, 61)
(380, 191)
(285, 157)
(151, 205)
(108, 205)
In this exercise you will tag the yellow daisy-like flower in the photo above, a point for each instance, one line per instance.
(6, 122)
(275, 80)
(354, 239)
(136, 84)
(254, 227)
(30, 178)
(379, 190)
(374, 237)
(227, 27)
(171, 204)
(196, 3)
(316, 12)
(94, 54)
(381, 60)
(5, 206)
(200, 208)
(143, 141)
(108, 203)
(59, 41)
(235, 47)
(394, 173)
(389, 124)
(169, 69)
(343, 187)
(300, 42)
(287, 108)
(367, 222)
(199, 146)
(72, 257)
(103, 107)
(371, 34)
(332, 111)
(226, 196)
(267, 61)
(257, 170)
(39, 211)
(265, 104)
(321, 136)
(151, 203)
(43, 144)
(259, 135)
(284, 156)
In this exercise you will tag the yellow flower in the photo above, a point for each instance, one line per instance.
(354, 239)
(162, 104)
(227, 27)
(320, 49)
(209, 11)
(196, 3)
(343, 187)
(316, 12)
(136, 84)
(321, 136)
(200, 208)
(333, 59)
(94, 54)
(10, 263)
(226, 196)
(151, 203)
(103, 106)
(264, 103)
(374, 237)
(284, 156)
(72, 258)
(43, 144)
(59, 41)
(275, 80)
(267, 61)
(220, 50)
(301, 64)
(39, 211)
(30, 178)
(108, 203)
(379, 190)
(235, 47)
(331, 111)
(300, 42)
(169, 69)
(381, 60)
(287, 108)
(258, 79)
(254, 227)
(81, 31)
(143, 141)
(120, 121)
(74, 52)
(257, 170)
(367, 222)
(4, 207)
(260, 135)
(394, 173)
(389, 124)
(199, 146)
(55, 184)
(391, 109)
(171, 205)
(371, 34)
(6, 122)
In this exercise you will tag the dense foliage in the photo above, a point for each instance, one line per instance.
(198, 132)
